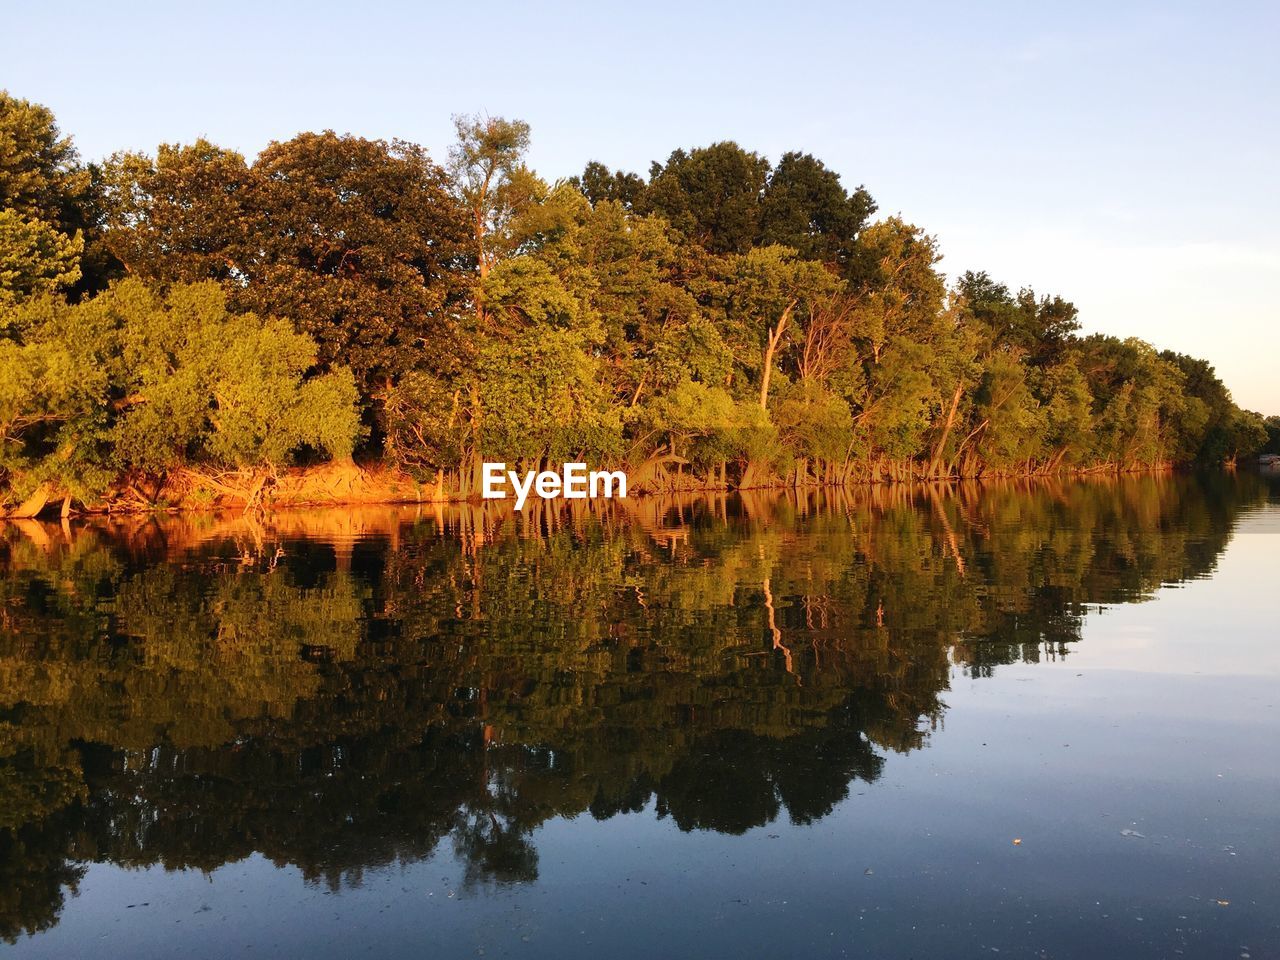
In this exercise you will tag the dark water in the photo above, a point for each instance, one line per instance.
(1029, 721)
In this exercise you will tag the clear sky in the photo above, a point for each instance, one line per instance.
(1123, 155)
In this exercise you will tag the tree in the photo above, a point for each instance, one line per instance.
(1243, 435)
(804, 206)
(536, 397)
(493, 183)
(721, 313)
(1064, 397)
(357, 241)
(599, 185)
(1042, 329)
(130, 382)
(815, 424)
(1138, 402)
(34, 258)
(711, 195)
(211, 387)
(363, 252)
(185, 215)
(1053, 325)
(40, 172)
(1272, 426)
(763, 290)
(901, 293)
(1010, 424)
(634, 286)
(1209, 430)
(42, 179)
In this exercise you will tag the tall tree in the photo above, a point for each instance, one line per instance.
(184, 215)
(42, 178)
(492, 181)
(363, 251)
(765, 289)
(1041, 328)
(40, 171)
(598, 184)
(358, 241)
(805, 207)
(711, 194)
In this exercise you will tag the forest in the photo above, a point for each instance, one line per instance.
(191, 326)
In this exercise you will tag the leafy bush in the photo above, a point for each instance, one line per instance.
(134, 381)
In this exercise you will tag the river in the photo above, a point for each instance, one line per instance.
(1013, 719)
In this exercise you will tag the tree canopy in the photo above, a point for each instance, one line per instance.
(725, 320)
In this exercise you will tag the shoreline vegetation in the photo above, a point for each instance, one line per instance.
(349, 485)
(343, 490)
(344, 320)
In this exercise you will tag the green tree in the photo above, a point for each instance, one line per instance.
(1042, 329)
(600, 185)
(356, 241)
(1138, 401)
(130, 382)
(1244, 434)
(1272, 426)
(34, 258)
(183, 216)
(493, 184)
(804, 206)
(42, 179)
(711, 195)
(901, 292)
(362, 252)
(764, 290)
(41, 176)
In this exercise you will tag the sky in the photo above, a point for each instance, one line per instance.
(1121, 155)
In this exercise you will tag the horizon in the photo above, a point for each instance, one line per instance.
(1121, 168)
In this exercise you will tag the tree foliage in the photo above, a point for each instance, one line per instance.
(35, 258)
(357, 242)
(131, 383)
(723, 321)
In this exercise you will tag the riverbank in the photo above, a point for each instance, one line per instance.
(352, 485)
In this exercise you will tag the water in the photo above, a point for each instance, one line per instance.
(1013, 720)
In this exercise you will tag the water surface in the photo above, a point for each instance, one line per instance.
(1038, 720)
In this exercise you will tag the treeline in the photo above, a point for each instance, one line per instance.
(194, 321)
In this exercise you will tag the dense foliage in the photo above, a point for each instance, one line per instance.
(724, 321)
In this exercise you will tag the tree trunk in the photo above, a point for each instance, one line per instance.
(483, 261)
(31, 507)
(775, 337)
(751, 474)
(936, 460)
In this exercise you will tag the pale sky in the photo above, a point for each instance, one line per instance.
(1122, 155)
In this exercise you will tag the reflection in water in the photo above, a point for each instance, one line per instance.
(340, 691)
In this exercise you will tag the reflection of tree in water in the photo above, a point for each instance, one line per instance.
(188, 693)
(38, 868)
(736, 780)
